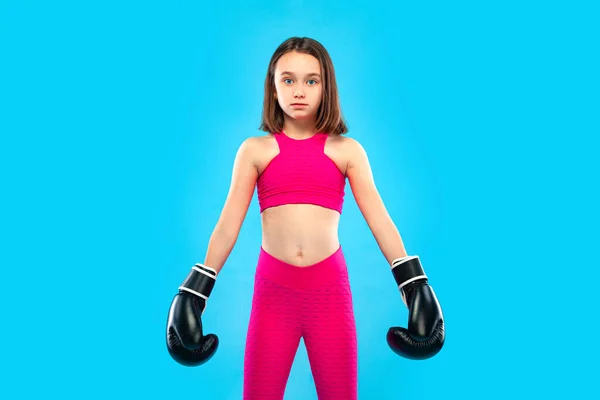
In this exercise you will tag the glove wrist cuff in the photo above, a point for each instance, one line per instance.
(407, 270)
(200, 281)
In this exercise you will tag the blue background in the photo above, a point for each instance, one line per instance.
(119, 122)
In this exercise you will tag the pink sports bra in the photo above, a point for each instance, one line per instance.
(301, 174)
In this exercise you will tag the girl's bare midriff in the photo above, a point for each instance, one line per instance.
(300, 234)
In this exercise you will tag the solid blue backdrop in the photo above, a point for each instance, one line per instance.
(119, 122)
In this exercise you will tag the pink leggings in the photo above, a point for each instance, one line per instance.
(289, 303)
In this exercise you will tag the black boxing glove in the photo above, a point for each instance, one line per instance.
(186, 341)
(425, 335)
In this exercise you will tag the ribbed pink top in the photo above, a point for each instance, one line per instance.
(301, 174)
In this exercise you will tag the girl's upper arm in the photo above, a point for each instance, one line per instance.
(362, 183)
(241, 189)
(359, 174)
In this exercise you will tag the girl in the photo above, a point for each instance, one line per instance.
(300, 169)
(301, 284)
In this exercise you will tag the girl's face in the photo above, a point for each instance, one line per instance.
(298, 85)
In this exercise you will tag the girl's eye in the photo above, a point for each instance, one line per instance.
(288, 81)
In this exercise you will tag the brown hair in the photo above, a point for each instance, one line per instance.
(329, 115)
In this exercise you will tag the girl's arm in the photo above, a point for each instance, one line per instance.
(370, 203)
(241, 190)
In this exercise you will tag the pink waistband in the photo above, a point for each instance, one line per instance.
(325, 271)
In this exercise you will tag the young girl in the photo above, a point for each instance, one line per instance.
(301, 284)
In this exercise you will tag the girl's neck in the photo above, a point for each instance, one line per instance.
(299, 129)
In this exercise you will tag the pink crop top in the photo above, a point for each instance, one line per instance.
(301, 174)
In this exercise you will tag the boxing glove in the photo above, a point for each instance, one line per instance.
(425, 335)
(186, 341)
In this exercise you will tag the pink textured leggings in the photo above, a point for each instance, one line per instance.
(289, 303)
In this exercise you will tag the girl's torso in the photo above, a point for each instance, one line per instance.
(300, 234)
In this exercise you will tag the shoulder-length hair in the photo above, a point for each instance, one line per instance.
(329, 115)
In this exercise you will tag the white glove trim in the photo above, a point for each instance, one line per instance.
(401, 260)
(195, 268)
(193, 292)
